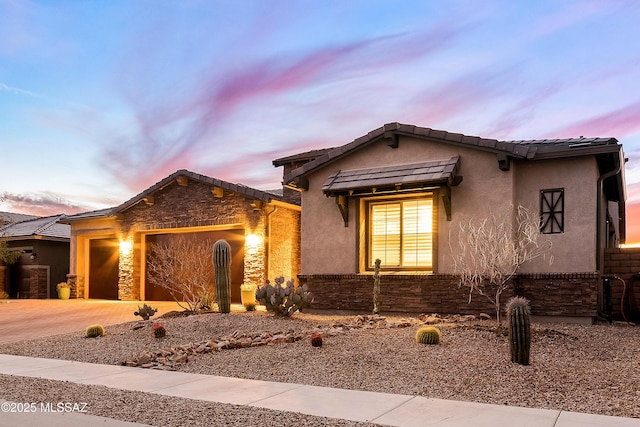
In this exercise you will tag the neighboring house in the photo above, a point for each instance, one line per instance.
(356, 198)
(109, 247)
(44, 243)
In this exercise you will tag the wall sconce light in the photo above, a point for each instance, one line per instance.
(33, 256)
(125, 247)
(253, 240)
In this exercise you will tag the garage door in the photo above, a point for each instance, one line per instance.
(235, 238)
(103, 268)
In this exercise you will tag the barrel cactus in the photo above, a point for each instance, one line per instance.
(519, 323)
(316, 339)
(428, 335)
(222, 267)
(94, 331)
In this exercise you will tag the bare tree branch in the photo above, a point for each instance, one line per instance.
(492, 250)
(183, 267)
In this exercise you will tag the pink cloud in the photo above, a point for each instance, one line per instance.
(616, 123)
(633, 223)
(460, 95)
(170, 134)
(41, 204)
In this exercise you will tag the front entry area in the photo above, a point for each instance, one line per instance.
(234, 237)
(103, 268)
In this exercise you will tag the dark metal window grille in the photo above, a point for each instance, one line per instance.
(552, 211)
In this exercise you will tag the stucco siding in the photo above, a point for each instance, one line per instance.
(574, 250)
(329, 247)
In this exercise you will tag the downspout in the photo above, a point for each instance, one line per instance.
(600, 213)
(267, 239)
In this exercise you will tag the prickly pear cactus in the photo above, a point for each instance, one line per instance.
(519, 323)
(284, 299)
(376, 287)
(428, 335)
(146, 311)
(222, 267)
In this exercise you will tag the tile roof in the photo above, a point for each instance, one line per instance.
(307, 155)
(414, 175)
(41, 227)
(534, 149)
(14, 217)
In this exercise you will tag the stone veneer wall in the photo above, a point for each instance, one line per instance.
(572, 295)
(624, 262)
(560, 294)
(193, 205)
(284, 251)
(38, 282)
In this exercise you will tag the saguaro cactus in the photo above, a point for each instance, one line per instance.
(222, 266)
(376, 288)
(519, 329)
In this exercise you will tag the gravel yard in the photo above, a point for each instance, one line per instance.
(594, 369)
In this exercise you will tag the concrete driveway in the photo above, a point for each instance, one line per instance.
(26, 319)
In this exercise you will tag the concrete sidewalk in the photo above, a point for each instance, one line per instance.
(353, 405)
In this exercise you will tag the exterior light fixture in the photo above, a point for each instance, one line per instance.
(125, 247)
(252, 240)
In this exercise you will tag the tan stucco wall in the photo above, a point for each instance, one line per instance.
(328, 247)
(575, 249)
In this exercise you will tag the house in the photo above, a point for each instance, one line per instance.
(355, 198)
(44, 244)
(109, 247)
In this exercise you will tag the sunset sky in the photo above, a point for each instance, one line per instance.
(101, 99)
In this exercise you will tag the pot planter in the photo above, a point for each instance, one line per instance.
(64, 293)
(248, 296)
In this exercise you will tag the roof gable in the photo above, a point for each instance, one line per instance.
(249, 192)
(534, 149)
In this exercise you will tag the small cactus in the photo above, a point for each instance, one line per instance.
(222, 270)
(376, 287)
(428, 335)
(316, 339)
(158, 330)
(146, 311)
(94, 331)
(519, 323)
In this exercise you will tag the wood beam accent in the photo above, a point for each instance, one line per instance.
(343, 205)
(182, 181)
(217, 192)
(392, 138)
(446, 201)
(149, 200)
(504, 162)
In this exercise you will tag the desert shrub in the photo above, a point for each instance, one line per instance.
(182, 267)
